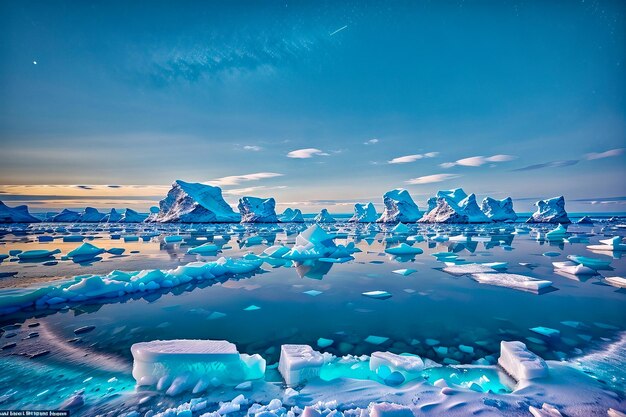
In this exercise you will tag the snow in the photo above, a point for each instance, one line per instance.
(513, 281)
(399, 207)
(385, 363)
(498, 210)
(175, 366)
(291, 216)
(521, 363)
(17, 214)
(324, 217)
(546, 410)
(550, 211)
(194, 203)
(299, 363)
(257, 210)
(364, 213)
(455, 206)
(389, 410)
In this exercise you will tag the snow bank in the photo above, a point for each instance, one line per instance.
(364, 213)
(550, 211)
(17, 214)
(257, 210)
(399, 207)
(521, 363)
(498, 210)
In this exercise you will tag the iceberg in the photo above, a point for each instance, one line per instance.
(613, 244)
(257, 210)
(514, 281)
(364, 213)
(204, 249)
(550, 211)
(17, 214)
(585, 220)
(455, 206)
(84, 252)
(66, 216)
(299, 363)
(131, 216)
(399, 207)
(521, 363)
(619, 282)
(315, 243)
(404, 249)
(90, 215)
(176, 366)
(291, 216)
(188, 202)
(37, 254)
(498, 210)
(112, 217)
(324, 217)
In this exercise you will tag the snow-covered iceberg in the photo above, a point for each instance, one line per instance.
(455, 206)
(324, 217)
(188, 202)
(550, 211)
(17, 214)
(399, 207)
(364, 213)
(131, 216)
(498, 210)
(257, 210)
(291, 216)
(66, 216)
(314, 243)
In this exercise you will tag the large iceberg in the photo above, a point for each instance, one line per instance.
(17, 214)
(188, 202)
(257, 210)
(113, 216)
(291, 216)
(66, 216)
(90, 215)
(131, 216)
(455, 206)
(399, 207)
(550, 211)
(498, 210)
(364, 213)
(324, 217)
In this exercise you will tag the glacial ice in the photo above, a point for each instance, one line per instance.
(558, 233)
(85, 252)
(175, 366)
(404, 249)
(299, 363)
(364, 213)
(455, 206)
(257, 210)
(498, 210)
(324, 217)
(613, 244)
(291, 216)
(90, 215)
(112, 217)
(385, 363)
(17, 214)
(399, 207)
(204, 249)
(521, 363)
(66, 216)
(550, 211)
(592, 263)
(37, 254)
(514, 281)
(194, 203)
(315, 243)
(131, 216)
(573, 268)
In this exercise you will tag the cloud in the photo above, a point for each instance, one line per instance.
(237, 179)
(306, 153)
(371, 142)
(429, 179)
(606, 154)
(412, 158)
(84, 187)
(250, 190)
(476, 161)
(553, 164)
(252, 148)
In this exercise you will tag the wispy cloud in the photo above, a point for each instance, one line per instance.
(476, 161)
(552, 164)
(412, 158)
(371, 142)
(306, 153)
(251, 190)
(606, 154)
(254, 148)
(238, 179)
(429, 179)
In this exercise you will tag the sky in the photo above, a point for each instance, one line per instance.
(318, 104)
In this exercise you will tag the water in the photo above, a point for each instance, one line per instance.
(428, 311)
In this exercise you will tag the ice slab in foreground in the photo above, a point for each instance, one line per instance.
(175, 366)
(299, 363)
(188, 202)
(521, 363)
(399, 207)
(364, 213)
(550, 211)
(514, 281)
(498, 210)
(257, 210)
(17, 214)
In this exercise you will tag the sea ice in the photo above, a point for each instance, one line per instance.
(399, 207)
(404, 249)
(37, 254)
(324, 217)
(299, 363)
(17, 214)
(379, 295)
(112, 217)
(619, 282)
(592, 263)
(85, 252)
(612, 244)
(558, 233)
(498, 210)
(131, 216)
(550, 211)
(385, 363)
(514, 281)
(90, 215)
(175, 366)
(521, 363)
(364, 213)
(257, 210)
(204, 249)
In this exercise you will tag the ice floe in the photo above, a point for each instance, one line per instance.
(521, 363)
(514, 281)
(291, 216)
(299, 363)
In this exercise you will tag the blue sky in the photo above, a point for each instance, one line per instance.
(520, 98)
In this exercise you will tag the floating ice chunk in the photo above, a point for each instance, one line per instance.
(364, 213)
(37, 254)
(520, 363)
(299, 363)
(592, 263)
(404, 249)
(514, 281)
(176, 366)
(559, 233)
(619, 282)
(324, 343)
(257, 210)
(313, 293)
(546, 410)
(375, 340)
(204, 249)
(585, 220)
(400, 229)
(385, 363)
(399, 207)
(498, 210)
(324, 217)
(194, 203)
(112, 217)
(573, 268)
(550, 211)
(17, 214)
(84, 252)
(379, 295)
(613, 244)
(291, 216)
(404, 272)
(465, 269)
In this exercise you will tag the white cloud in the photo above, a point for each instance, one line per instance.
(428, 179)
(476, 161)
(237, 179)
(250, 190)
(306, 153)
(606, 154)
(371, 142)
(412, 158)
(252, 148)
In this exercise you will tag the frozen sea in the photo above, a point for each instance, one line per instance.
(428, 312)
